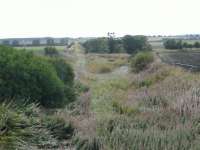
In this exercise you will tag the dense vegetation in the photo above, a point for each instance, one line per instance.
(23, 127)
(127, 44)
(123, 102)
(24, 76)
(179, 44)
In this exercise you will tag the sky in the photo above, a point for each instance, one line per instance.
(91, 18)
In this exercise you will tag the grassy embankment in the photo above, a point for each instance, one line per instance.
(155, 109)
(151, 110)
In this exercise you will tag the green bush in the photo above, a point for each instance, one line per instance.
(66, 74)
(50, 51)
(25, 76)
(141, 61)
(64, 70)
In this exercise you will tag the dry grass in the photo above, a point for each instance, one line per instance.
(155, 109)
(105, 63)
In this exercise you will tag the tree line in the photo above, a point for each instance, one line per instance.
(179, 44)
(127, 44)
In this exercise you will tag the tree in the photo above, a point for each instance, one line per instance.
(98, 45)
(118, 46)
(111, 44)
(132, 44)
(173, 44)
(197, 45)
(115, 45)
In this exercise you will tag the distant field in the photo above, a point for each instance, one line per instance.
(159, 43)
(187, 59)
(40, 48)
(191, 41)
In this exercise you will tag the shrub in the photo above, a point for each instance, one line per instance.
(197, 45)
(141, 61)
(66, 74)
(50, 51)
(25, 76)
(64, 70)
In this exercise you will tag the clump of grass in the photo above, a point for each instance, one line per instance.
(87, 143)
(104, 69)
(20, 128)
(123, 109)
(58, 127)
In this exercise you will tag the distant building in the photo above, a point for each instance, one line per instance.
(36, 41)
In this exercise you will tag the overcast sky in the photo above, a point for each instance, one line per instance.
(81, 18)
